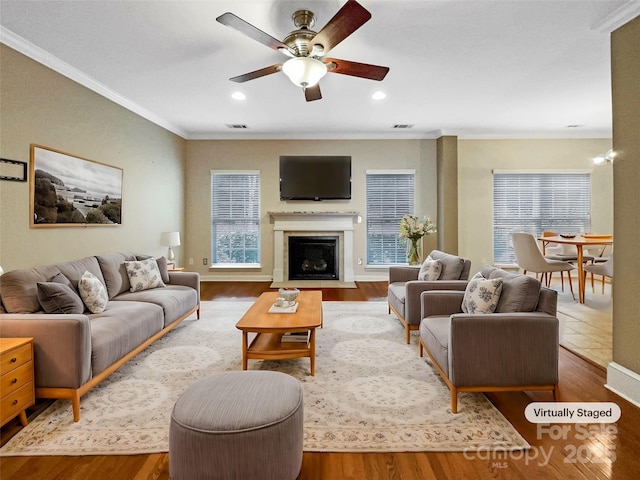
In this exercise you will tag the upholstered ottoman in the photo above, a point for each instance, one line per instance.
(238, 425)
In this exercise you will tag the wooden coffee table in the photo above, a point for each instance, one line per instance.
(270, 327)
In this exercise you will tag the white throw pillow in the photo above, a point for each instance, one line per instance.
(93, 293)
(481, 294)
(430, 270)
(144, 274)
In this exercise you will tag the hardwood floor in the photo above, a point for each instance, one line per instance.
(582, 452)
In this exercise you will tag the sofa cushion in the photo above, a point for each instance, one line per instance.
(451, 265)
(119, 328)
(19, 288)
(75, 269)
(430, 270)
(59, 298)
(175, 300)
(143, 274)
(434, 332)
(93, 292)
(520, 293)
(481, 295)
(114, 272)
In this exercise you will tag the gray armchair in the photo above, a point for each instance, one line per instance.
(514, 348)
(405, 288)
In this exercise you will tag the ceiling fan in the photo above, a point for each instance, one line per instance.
(308, 48)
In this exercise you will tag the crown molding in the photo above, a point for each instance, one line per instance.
(36, 53)
(620, 16)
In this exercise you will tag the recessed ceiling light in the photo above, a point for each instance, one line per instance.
(378, 95)
(238, 96)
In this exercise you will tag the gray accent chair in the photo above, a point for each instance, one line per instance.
(514, 348)
(405, 288)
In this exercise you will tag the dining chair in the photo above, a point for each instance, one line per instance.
(530, 258)
(604, 268)
(562, 252)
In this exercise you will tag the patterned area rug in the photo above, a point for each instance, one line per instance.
(371, 392)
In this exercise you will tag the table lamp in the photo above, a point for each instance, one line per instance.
(170, 239)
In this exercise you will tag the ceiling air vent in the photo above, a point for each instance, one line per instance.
(402, 125)
(236, 125)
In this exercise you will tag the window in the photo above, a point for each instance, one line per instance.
(235, 218)
(390, 195)
(534, 202)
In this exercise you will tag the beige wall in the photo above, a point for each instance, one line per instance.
(204, 156)
(448, 239)
(625, 73)
(478, 158)
(40, 106)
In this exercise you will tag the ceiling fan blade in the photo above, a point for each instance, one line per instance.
(355, 69)
(312, 93)
(233, 21)
(257, 74)
(349, 18)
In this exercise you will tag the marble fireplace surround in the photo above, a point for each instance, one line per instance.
(286, 224)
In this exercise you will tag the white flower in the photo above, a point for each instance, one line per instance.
(413, 228)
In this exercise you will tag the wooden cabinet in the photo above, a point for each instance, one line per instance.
(16, 378)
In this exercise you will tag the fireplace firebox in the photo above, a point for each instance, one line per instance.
(313, 258)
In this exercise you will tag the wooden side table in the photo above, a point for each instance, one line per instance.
(16, 378)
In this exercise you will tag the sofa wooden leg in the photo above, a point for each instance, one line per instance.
(198, 312)
(454, 400)
(75, 405)
(555, 392)
(407, 333)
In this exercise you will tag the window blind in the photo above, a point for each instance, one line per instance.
(235, 218)
(534, 202)
(389, 197)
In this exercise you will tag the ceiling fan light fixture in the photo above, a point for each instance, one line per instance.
(304, 71)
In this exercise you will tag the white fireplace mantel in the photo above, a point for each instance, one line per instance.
(339, 222)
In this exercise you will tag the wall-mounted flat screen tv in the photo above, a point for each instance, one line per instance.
(315, 178)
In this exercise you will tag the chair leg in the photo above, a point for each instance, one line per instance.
(570, 284)
(603, 279)
(593, 290)
(562, 280)
(549, 275)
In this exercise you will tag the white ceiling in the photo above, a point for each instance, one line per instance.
(475, 68)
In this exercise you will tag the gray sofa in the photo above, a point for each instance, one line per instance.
(76, 351)
(514, 348)
(404, 287)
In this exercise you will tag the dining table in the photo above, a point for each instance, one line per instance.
(580, 241)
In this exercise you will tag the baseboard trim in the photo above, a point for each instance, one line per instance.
(623, 382)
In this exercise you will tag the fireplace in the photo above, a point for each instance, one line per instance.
(310, 224)
(313, 258)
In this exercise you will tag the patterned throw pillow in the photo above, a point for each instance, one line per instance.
(93, 292)
(430, 270)
(144, 274)
(481, 294)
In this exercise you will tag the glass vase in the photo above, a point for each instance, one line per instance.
(413, 254)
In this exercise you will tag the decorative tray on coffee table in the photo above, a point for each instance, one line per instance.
(285, 309)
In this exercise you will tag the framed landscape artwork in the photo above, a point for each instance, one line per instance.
(68, 191)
